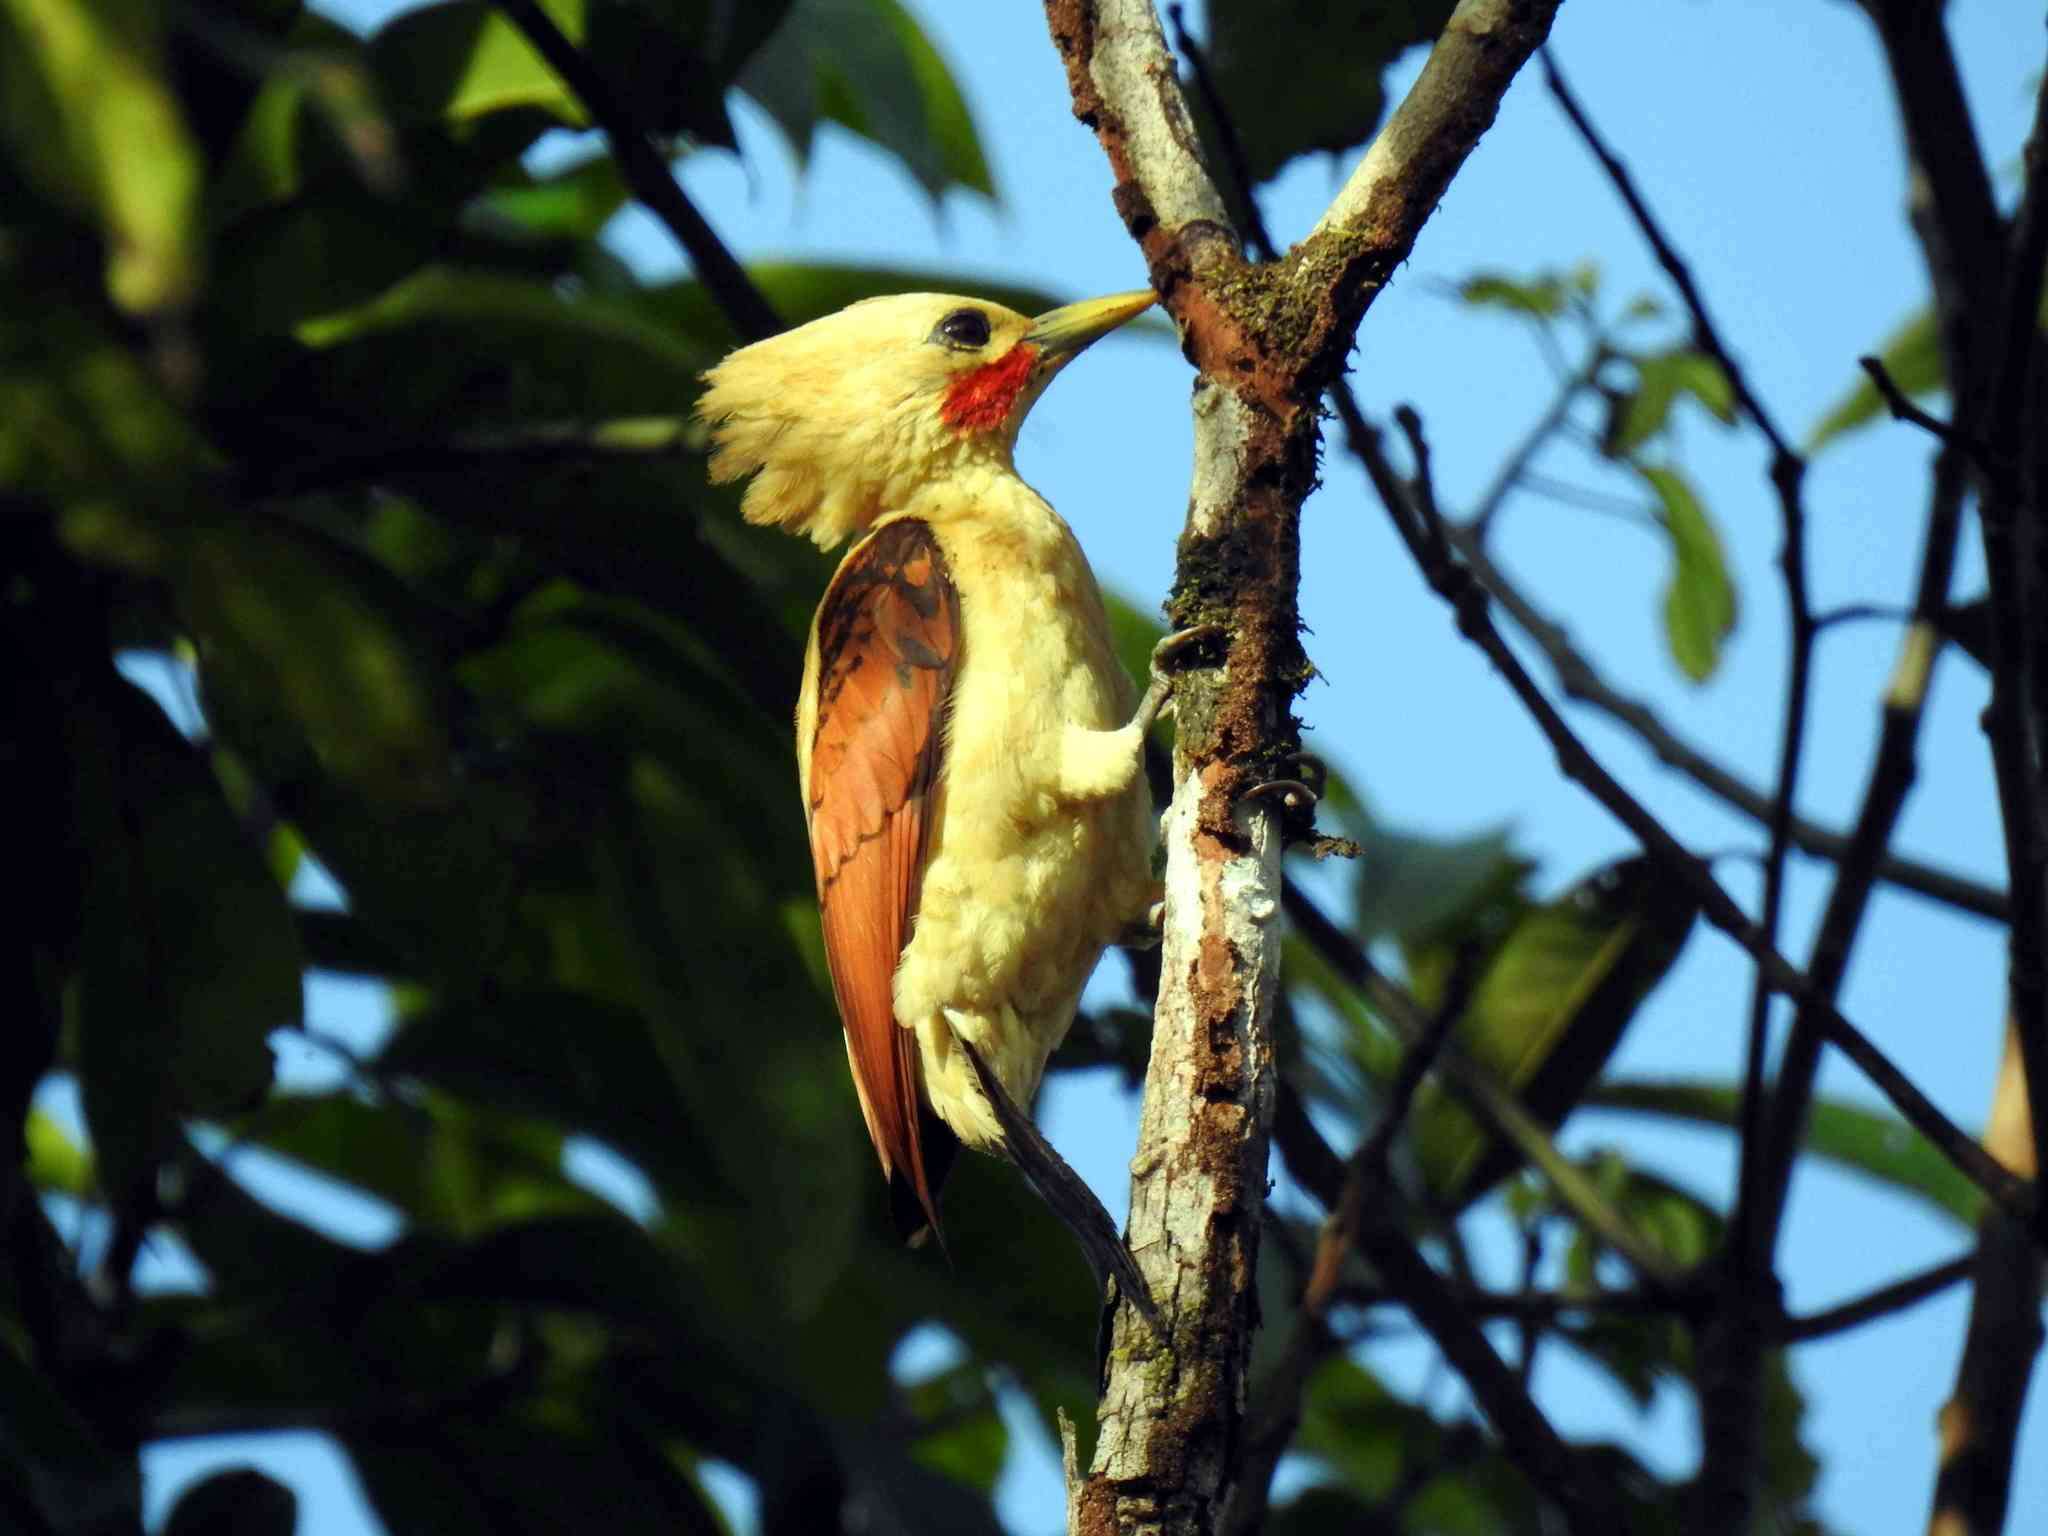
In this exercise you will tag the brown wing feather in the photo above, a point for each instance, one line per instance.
(888, 651)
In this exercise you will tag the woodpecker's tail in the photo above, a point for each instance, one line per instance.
(940, 1147)
(1068, 1197)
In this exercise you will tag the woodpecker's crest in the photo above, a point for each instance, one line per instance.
(843, 419)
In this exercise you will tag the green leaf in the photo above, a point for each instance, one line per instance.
(462, 59)
(1866, 1141)
(450, 348)
(567, 1058)
(290, 631)
(1661, 378)
(57, 1165)
(1427, 891)
(1699, 599)
(238, 1502)
(1548, 1009)
(87, 108)
(574, 203)
(1542, 296)
(87, 425)
(188, 955)
(867, 65)
(1302, 75)
(316, 115)
(1911, 355)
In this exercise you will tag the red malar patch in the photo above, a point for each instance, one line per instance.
(980, 400)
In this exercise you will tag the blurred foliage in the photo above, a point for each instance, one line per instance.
(1303, 75)
(1912, 356)
(1637, 382)
(322, 398)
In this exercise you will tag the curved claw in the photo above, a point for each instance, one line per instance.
(1160, 689)
(1180, 640)
(1291, 793)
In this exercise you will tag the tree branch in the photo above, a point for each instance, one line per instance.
(648, 174)
(1981, 1419)
(2011, 518)
(1881, 1302)
(1583, 683)
(1730, 1413)
(1468, 600)
(1265, 341)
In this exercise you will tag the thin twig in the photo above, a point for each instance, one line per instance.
(648, 174)
(1903, 409)
(2009, 516)
(1583, 683)
(1706, 336)
(1750, 1239)
(1891, 776)
(1881, 1302)
(1514, 469)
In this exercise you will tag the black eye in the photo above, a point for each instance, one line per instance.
(963, 328)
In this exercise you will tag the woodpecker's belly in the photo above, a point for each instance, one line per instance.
(1024, 888)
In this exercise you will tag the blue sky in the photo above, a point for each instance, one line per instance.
(1762, 134)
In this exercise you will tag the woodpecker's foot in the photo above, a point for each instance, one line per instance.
(1290, 793)
(1160, 689)
(1068, 1197)
(1293, 794)
(1145, 932)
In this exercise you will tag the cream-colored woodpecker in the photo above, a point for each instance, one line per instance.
(968, 745)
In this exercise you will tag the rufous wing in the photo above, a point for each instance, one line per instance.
(888, 649)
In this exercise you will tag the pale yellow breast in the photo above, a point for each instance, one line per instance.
(1023, 888)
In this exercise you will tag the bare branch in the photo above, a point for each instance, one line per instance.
(1468, 600)
(2011, 517)
(1903, 409)
(1882, 1302)
(1583, 683)
(1397, 184)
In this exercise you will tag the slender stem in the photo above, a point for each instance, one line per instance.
(1514, 468)
(1366, 1171)
(1881, 1302)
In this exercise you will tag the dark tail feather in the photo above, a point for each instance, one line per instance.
(1064, 1192)
(915, 1223)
